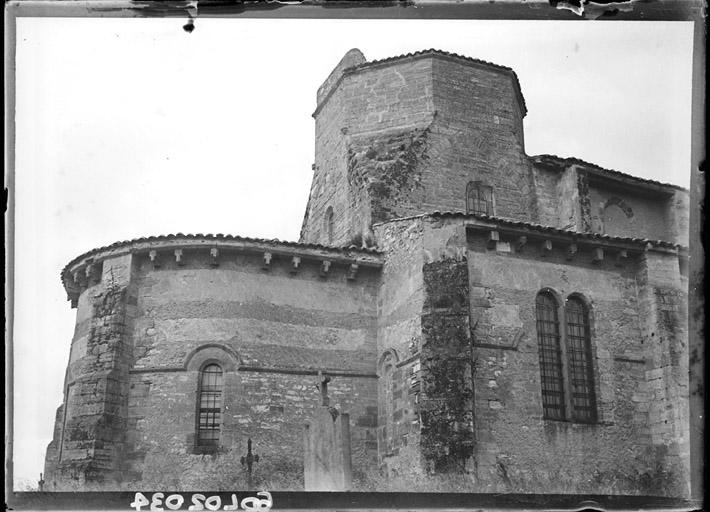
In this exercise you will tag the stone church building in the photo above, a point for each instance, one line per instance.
(491, 321)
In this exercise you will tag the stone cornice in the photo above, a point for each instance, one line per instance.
(538, 231)
(83, 271)
(573, 242)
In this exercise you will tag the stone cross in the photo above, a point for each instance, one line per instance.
(249, 461)
(322, 386)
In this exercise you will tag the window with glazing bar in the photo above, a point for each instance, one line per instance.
(565, 352)
(479, 198)
(579, 360)
(551, 371)
(210, 406)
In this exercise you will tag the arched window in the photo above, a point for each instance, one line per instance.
(479, 198)
(551, 373)
(579, 360)
(209, 406)
(388, 397)
(386, 423)
(328, 225)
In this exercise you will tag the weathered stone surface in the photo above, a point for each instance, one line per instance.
(326, 451)
(431, 340)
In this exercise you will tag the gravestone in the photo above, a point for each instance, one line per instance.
(326, 447)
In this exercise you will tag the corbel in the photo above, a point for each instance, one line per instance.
(178, 257)
(520, 243)
(352, 271)
(622, 257)
(266, 265)
(214, 257)
(153, 255)
(546, 247)
(295, 264)
(597, 255)
(324, 268)
(493, 239)
(571, 251)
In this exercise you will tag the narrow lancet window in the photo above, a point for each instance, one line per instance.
(210, 406)
(579, 359)
(548, 339)
(329, 225)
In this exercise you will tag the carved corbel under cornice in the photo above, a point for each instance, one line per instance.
(266, 262)
(214, 257)
(352, 271)
(178, 257)
(154, 258)
(295, 264)
(324, 268)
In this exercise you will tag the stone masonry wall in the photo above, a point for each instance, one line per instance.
(271, 408)
(446, 402)
(400, 303)
(144, 332)
(477, 136)
(519, 451)
(88, 444)
(376, 99)
(663, 308)
(558, 198)
(619, 213)
(277, 329)
(678, 208)
(549, 200)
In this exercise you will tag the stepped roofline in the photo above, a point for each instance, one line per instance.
(560, 163)
(331, 83)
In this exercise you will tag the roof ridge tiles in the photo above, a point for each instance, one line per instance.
(431, 50)
(219, 237)
(551, 229)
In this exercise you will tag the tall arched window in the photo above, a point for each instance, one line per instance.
(386, 423)
(551, 373)
(479, 198)
(579, 360)
(388, 396)
(328, 225)
(209, 406)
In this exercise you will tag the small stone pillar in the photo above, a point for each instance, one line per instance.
(327, 464)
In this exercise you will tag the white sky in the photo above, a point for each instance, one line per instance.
(133, 127)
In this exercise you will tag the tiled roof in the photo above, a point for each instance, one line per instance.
(560, 161)
(434, 51)
(217, 238)
(557, 231)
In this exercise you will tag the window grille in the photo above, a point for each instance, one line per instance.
(579, 357)
(548, 338)
(479, 198)
(210, 406)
